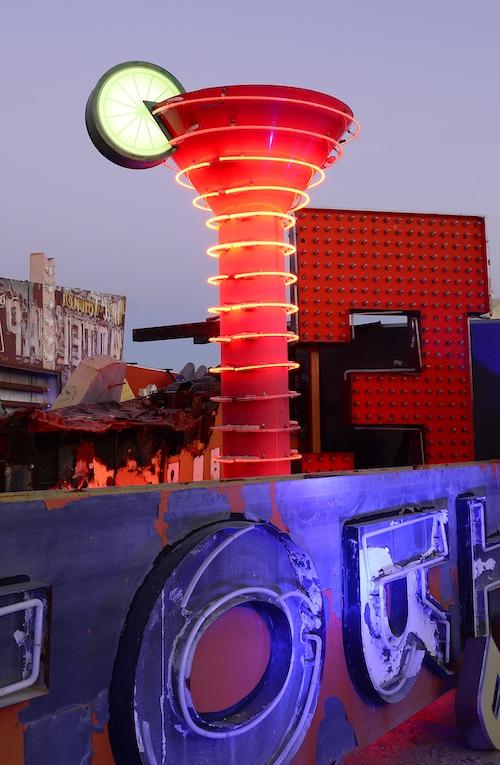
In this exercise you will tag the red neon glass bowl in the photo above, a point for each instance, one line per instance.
(249, 150)
(254, 120)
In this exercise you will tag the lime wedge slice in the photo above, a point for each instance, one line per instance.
(120, 124)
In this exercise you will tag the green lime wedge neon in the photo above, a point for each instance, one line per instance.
(118, 121)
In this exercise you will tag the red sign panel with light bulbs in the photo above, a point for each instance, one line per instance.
(430, 267)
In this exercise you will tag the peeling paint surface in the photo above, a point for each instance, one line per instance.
(95, 548)
(190, 510)
(335, 736)
(479, 561)
(94, 553)
(62, 738)
(396, 621)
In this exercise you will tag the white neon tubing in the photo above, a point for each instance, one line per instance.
(273, 597)
(208, 560)
(283, 757)
(24, 605)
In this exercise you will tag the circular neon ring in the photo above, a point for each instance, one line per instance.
(290, 365)
(268, 128)
(253, 397)
(290, 308)
(304, 196)
(293, 426)
(178, 101)
(288, 220)
(288, 249)
(287, 160)
(291, 337)
(179, 176)
(286, 275)
(184, 663)
(183, 179)
(228, 460)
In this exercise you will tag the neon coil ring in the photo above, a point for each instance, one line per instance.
(292, 426)
(290, 365)
(303, 195)
(288, 220)
(214, 250)
(286, 275)
(228, 460)
(268, 128)
(254, 397)
(291, 337)
(177, 101)
(315, 169)
(290, 308)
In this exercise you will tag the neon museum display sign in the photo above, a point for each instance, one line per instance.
(251, 153)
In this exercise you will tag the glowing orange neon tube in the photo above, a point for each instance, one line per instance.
(315, 169)
(174, 103)
(250, 367)
(255, 428)
(290, 308)
(288, 220)
(331, 142)
(305, 198)
(254, 397)
(294, 455)
(291, 337)
(216, 249)
(286, 275)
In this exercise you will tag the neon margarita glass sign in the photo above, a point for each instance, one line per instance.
(250, 152)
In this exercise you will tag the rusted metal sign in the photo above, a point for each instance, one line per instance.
(59, 330)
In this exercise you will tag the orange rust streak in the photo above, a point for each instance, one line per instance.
(186, 461)
(59, 503)
(12, 735)
(160, 523)
(440, 579)
(101, 748)
(276, 517)
(234, 495)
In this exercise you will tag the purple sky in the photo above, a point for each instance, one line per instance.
(421, 76)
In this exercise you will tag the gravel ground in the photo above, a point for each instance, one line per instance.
(430, 737)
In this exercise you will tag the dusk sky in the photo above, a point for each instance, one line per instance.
(422, 76)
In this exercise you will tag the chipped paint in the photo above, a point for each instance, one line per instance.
(161, 523)
(12, 735)
(392, 657)
(111, 536)
(480, 566)
(336, 737)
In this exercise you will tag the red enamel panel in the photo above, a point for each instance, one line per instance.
(326, 462)
(430, 265)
